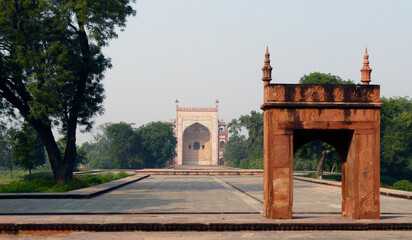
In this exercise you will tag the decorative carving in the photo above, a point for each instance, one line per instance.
(277, 93)
(314, 94)
(338, 94)
(322, 93)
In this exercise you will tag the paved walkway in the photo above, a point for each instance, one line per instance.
(207, 194)
(203, 199)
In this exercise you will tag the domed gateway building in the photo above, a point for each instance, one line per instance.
(201, 136)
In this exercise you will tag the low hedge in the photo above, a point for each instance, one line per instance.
(43, 182)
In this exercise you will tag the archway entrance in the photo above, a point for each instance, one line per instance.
(353, 132)
(316, 158)
(197, 148)
(345, 116)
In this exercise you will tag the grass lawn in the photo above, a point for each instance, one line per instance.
(17, 174)
(403, 185)
(336, 178)
(43, 182)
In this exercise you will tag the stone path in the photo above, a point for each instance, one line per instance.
(203, 199)
(309, 197)
(165, 193)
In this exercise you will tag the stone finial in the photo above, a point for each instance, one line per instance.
(217, 103)
(366, 70)
(177, 103)
(267, 69)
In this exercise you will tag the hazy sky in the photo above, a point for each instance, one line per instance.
(200, 51)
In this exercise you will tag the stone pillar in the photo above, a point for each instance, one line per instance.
(278, 174)
(214, 131)
(360, 177)
(179, 137)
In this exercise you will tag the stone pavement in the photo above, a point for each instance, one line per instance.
(207, 200)
(183, 194)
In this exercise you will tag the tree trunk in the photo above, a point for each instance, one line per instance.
(333, 167)
(11, 172)
(53, 152)
(70, 152)
(29, 171)
(321, 161)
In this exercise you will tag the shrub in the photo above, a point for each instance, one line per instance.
(386, 180)
(45, 175)
(404, 185)
(122, 174)
(43, 182)
(310, 175)
(106, 177)
(94, 180)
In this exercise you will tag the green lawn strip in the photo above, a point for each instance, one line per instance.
(336, 178)
(43, 182)
(403, 185)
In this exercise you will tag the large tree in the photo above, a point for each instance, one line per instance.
(124, 147)
(396, 139)
(323, 78)
(51, 66)
(321, 149)
(157, 143)
(241, 151)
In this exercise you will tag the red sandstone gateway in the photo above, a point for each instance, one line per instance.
(345, 116)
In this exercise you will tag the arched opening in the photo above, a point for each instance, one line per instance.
(318, 160)
(198, 136)
(222, 144)
(321, 150)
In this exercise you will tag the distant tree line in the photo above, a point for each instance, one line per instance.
(119, 145)
(20, 147)
(396, 140)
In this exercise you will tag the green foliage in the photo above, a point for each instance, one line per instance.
(336, 178)
(81, 155)
(52, 65)
(403, 185)
(254, 142)
(157, 143)
(124, 145)
(97, 152)
(396, 138)
(43, 175)
(323, 78)
(235, 151)
(93, 180)
(245, 152)
(122, 175)
(310, 175)
(43, 182)
(7, 139)
(306, 157)
(28, 150)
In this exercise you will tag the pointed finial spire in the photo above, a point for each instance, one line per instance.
(267, 69)
(366, 70)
